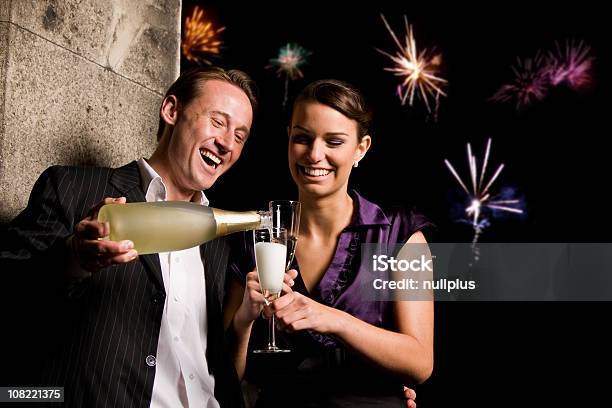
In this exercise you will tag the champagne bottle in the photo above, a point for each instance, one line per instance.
(166, 226)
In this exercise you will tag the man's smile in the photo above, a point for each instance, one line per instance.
(210, 158)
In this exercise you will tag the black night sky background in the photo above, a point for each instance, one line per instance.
(555, 152)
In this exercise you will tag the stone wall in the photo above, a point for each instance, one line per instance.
(80, 83)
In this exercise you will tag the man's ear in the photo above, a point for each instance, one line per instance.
(169, 110)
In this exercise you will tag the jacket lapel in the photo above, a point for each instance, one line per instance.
(207, 250)
(214, 255)
(126, 179)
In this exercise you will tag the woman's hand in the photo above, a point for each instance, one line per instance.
(253, 300)
(294, 311)
(410, 395)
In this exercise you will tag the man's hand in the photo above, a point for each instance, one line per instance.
(410, 395)
(92, 253)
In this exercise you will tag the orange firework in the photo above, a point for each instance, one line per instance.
(417, 68)
(200, 38)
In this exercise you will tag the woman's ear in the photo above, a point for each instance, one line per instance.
(169, 110)
(363, 147)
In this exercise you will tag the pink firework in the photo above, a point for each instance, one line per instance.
(530, 84)
(571, 65)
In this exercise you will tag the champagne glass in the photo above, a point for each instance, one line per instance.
(286, 214)
(271, 258)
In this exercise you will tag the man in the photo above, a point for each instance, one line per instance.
(133, 331)
(112, 328)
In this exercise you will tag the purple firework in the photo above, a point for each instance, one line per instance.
(530, 83)
(571, 64)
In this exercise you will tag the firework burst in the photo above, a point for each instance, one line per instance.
(571, 64)
(530, 83)
(291, 58)
(418, 70)
(479, 195)
(200, 38)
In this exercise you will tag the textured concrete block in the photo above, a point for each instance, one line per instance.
(4, 33)
(138, 39)
(5, 10)
(87, 115)
(74, 91)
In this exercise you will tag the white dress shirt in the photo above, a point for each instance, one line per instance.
(182, 377)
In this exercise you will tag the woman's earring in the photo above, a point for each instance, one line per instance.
(356, 164)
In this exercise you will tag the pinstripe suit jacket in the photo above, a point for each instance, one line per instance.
(96, 338)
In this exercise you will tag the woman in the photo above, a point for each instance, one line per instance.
(346, 351)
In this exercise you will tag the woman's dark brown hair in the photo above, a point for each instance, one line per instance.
(342, 97)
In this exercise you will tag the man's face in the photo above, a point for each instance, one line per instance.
(208, 135)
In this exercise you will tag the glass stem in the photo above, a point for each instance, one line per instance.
(271, 334)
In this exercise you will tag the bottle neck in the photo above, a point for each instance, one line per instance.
(229, 222)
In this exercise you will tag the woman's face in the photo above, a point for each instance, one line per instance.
(323, 145)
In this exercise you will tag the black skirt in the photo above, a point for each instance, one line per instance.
(315, 376)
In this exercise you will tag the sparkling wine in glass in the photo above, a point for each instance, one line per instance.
(271, 258)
